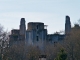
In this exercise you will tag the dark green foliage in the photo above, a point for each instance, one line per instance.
(62, 55)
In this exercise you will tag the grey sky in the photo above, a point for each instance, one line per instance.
(51, 12)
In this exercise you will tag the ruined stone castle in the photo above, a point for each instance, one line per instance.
(36, 33)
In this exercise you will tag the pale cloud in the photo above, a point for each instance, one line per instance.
(4, 0)
(29, 15)
(26, 14)
(11, 11)
(12, 19)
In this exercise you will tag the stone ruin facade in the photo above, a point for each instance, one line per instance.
(36, 34)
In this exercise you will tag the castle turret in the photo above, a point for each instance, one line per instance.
(22, 26)
(67, 25)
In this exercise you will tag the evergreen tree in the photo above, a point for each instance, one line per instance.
(62, 55)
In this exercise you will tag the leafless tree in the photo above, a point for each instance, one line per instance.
(3, 40)
(72, 44)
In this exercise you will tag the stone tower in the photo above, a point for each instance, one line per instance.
(67, 25)
(36, 34)
(22, 27)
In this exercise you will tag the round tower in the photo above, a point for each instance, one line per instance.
(67, 25)
(22, 26)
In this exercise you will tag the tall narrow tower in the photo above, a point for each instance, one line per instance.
(67, 25)
(22, 27)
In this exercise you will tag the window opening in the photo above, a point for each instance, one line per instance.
(37, 38)
(37, 26)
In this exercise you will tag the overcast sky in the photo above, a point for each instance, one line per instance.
(50, 12)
